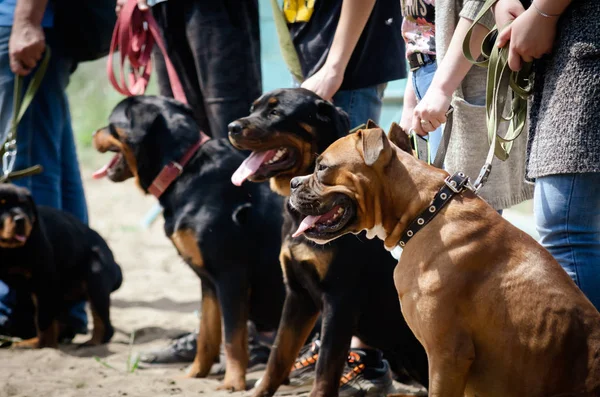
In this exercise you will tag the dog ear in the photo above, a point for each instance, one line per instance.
(375, 145)
(326, 111)
(371, 124)
(398, 137)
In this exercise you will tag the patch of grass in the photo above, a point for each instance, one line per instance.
(133, 360)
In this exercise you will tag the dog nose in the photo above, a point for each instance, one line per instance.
(235, 127)
(295, 183)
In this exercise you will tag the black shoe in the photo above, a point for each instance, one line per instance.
(303, 370)
(181, 350)
(366, 374)
(259, 350)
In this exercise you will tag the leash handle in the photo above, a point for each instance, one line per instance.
(134, 36)
(20, 104)
(501, 84)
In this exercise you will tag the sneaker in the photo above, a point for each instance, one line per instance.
(259, 350)
(303, 370)
(366, 374)
(181, 350)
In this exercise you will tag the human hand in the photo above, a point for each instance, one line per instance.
(326, 82)
(142, 5)
(505, 11)
(25, 46)
(531, 36)
(431, 111)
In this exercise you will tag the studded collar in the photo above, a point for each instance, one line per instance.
(453, 185)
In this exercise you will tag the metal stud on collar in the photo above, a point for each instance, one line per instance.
(432, 209)
(409, 233)
(420, 221)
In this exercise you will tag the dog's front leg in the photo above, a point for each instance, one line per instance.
(234, 295)
(209, 335)
(46, 306)
(450, 359)
(336, 331)
(297, 320)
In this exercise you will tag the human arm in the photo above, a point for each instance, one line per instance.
(27, 41)
(531, 35)
(450, 73)
(408, 106)
(353, 19)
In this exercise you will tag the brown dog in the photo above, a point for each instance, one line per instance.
(495, 312)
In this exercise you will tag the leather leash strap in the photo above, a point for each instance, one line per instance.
(20, 104)
(501, 81)
(134, 37)
(136, 32)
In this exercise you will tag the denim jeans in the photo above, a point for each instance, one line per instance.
(567, 217)
(361, 104)
(44, 137)
(215, 49)
(421, 79)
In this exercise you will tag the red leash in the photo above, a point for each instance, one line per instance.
(135, 42)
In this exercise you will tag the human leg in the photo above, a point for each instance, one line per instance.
(228, 69)
(567, 216)
(361, 104)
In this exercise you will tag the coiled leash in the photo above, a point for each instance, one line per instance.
(136, 32)
(20, 104)
(501, 83)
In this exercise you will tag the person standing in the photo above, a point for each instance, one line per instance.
(45, 137)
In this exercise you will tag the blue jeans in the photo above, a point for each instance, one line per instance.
(361, 104)
(44, 137)
(567, 217)
(421, 79)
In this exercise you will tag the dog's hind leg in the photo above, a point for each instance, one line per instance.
(98, 291)
(234, 295)
(209, 335)
(298, 318)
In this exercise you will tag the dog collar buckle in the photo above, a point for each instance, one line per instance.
(174, 169)
(178, 166)
(452, 186)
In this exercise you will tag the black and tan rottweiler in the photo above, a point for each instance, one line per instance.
(59, 261)
(349, 280)
(230, 237)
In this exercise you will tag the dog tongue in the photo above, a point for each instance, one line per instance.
(102, 172)
(20, 238)
(250, 166)
(306, 224)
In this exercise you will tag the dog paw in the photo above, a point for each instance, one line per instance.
(233, 385)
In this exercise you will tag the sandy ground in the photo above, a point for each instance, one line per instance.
(158, 300)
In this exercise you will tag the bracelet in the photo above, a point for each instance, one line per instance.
(542, 13)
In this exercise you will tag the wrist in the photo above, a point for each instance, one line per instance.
(550, 10)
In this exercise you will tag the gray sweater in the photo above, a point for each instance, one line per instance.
(564, 116)
(469, 145)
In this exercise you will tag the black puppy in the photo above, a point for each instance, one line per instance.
(229, 236)
(348, 280)
(59, 260)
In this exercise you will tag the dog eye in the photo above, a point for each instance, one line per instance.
(251, 108)
(274, 112)
(321, 167)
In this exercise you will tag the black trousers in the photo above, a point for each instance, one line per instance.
(215, 49)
